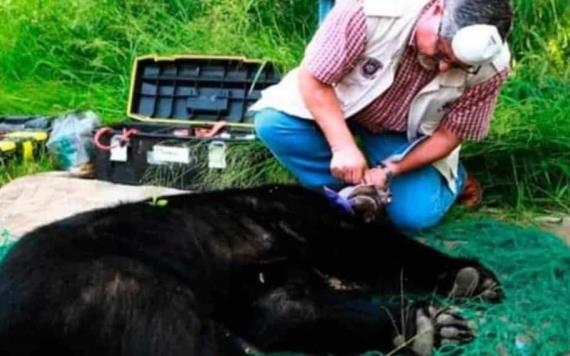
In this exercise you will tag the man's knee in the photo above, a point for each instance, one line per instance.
(420, 199)
(419, 205)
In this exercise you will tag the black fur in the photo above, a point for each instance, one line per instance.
(209, 273)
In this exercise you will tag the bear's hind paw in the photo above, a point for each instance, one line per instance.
(434, 327)
(472, 283)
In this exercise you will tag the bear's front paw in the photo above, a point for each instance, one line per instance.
(434, 327)
(474, 282)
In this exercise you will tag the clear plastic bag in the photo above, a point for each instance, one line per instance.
(71, 142)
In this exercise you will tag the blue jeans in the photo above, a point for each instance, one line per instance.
(324, 7)
(421, 198)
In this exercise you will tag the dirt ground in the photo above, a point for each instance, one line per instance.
(558, 226)
(32, 201)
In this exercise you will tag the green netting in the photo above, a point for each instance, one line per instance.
(534, 268)
(6, 241)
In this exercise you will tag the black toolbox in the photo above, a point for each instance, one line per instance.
(189, 114)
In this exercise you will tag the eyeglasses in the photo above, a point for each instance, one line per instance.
(431, 63)
(473, 70)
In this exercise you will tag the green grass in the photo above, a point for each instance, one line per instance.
(247, 163)
(14, 168)
(71, 54)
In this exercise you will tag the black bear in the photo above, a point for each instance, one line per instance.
(274, 268)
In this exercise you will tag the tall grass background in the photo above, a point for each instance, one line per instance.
(57, 55)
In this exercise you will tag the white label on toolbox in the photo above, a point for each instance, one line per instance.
(217, 155)
(118, 149)
(171, 154)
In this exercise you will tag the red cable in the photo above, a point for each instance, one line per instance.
(211, 132)
(106, 130)
(97, 138)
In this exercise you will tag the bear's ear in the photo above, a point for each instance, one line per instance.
(366, 208)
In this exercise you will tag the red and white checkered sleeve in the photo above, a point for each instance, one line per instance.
(470, 115)
(338, 43)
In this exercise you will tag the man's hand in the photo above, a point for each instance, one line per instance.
(377, 177)
(348, 164)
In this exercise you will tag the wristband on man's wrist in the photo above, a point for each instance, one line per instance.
(389, 173)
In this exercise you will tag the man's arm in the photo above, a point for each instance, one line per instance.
(432, 149)
(348, 163)
(467, 119)
(332, 53)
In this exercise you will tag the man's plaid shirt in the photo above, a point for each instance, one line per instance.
(341, 41)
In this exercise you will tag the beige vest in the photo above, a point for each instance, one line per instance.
(389, 26)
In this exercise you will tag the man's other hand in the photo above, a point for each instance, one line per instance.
(377, 177)
(348, 164)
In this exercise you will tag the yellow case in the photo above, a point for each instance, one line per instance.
(157, 58)
(38, 136)
(7, 146)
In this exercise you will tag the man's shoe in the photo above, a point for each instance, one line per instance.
(472, 193)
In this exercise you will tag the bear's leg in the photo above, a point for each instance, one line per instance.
(290, 319)
(379, 256)
(419, 268)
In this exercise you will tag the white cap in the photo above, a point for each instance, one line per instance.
(476, 44)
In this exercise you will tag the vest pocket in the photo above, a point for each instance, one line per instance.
(438, 105)
(362, 80)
